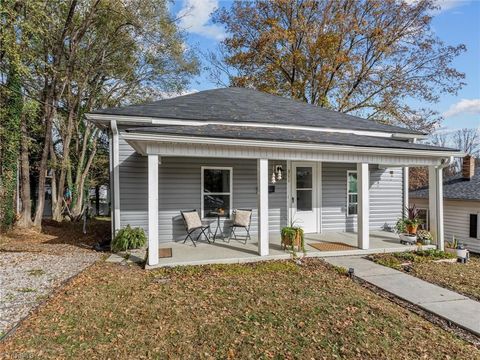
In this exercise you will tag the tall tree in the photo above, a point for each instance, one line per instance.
(85, 54)
(19, 25)
(365, 57)
(9, 147)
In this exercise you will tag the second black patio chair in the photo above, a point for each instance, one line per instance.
(193, 223)
(241, 219)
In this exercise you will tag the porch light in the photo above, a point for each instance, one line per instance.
(277, 173)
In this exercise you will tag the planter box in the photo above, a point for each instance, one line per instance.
(451, 251)
(408, 239)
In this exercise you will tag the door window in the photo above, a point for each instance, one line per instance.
(304, 181)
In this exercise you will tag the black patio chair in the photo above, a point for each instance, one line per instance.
(193, 223)
(241, 219)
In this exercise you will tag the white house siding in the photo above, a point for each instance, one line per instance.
(386, 197)
(456, 219)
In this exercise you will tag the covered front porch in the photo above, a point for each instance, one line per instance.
(237, 251)
(175, 170)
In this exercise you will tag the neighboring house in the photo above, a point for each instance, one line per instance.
(461, 194)
(220, 148)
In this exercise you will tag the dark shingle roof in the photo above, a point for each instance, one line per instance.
(247, 105)
(455, 188)
(283, 135)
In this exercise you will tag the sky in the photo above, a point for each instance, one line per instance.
(457, 22)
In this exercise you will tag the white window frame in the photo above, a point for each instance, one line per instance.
(203, 168)
(351, 193)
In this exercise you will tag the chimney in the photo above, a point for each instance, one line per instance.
(468, 167)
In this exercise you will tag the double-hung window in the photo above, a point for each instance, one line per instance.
(352, 193)
(216, 191)
(474, 226)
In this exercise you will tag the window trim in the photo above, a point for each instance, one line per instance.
(470, 224)
(202, 193)
(351, 193)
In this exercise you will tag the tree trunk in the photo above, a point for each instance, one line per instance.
(48, 111)
(57, 210)
(53, 180)
(25, 220)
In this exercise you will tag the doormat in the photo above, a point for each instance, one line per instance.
(332, 246)
(165, 253)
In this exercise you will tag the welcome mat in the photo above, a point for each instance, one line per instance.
(332, 246)
(165, 253)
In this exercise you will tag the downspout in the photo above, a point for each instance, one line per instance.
(115, 169)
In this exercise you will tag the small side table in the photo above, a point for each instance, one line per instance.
(219, 228)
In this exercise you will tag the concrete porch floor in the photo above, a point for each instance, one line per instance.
(236, 251)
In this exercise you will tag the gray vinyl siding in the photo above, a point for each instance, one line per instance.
(386, 197)
(133, 187)
(180, 189)
(456, 220)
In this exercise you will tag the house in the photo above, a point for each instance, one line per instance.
(337, 175)
(461, 194)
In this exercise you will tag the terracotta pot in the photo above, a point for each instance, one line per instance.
(412, 229)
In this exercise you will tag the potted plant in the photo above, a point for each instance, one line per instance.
(403, 234)
(412, 221)
(425, 237)
(451, 246)
(293, 236)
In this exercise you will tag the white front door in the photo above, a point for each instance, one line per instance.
(304, 196)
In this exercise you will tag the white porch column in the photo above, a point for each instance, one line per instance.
(115, 165)
(262, 195)
(363, 218)
(405, 190)
(435, 204)
(152, 210)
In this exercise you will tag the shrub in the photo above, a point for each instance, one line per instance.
(129, 238)
(434, 254)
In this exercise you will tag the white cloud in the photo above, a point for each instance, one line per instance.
(195, 18)
(464, 106)
(444, 5)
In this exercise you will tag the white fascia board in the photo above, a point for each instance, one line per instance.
(286, 145)
(160, 121)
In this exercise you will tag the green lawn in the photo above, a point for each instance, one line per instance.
(264, 310)
(463, 278)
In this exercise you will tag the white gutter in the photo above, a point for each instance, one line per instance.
(99, 118)
(286, 145)
(448, 161)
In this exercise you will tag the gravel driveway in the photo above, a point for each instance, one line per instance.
(27, 278)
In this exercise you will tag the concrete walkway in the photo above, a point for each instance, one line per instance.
(447, 304)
